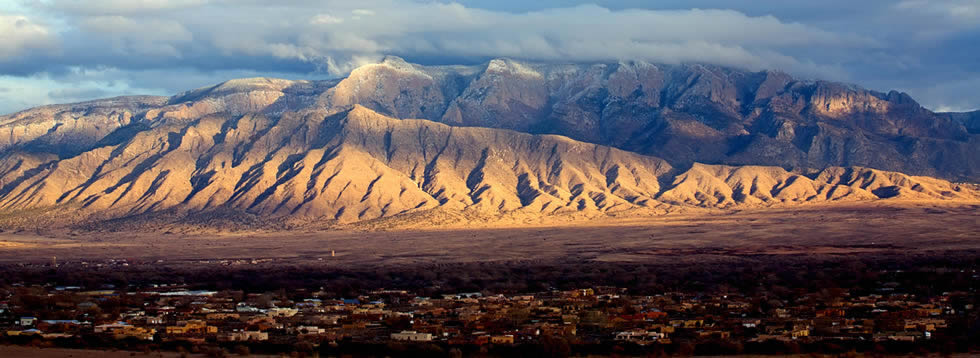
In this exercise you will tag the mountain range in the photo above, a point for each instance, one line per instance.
(395, 139)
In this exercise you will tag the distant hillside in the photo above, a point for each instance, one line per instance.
(355, 165)
(634, 138)
(681, 113)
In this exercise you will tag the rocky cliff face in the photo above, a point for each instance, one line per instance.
(632, 139)
(970, 120)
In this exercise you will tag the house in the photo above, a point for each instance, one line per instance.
(140, 333)
(463, 295)
(687, 323)
(243, 336)
(245, 308)
(800, 332)
(897, 336)
(308, 330)
(830, 312)
(282, 312)
(192, 327)
(411, 336)
(502, 339)
(715, 334)
(58, 325)
(222, 316)
(481, 339)
(110, 327)
(26, 332)
(639, 336)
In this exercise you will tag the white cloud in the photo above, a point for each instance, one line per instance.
(959, 10)
(582, 33)
(325, 19)
(951, 96)
(935, 20)
(23, 36)
(428, 29)
(120, 7)
(880, 39)
(144, 37)
(42, 89)
(362, 12)
(82, 84)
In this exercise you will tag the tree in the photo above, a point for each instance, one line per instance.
(241, 350)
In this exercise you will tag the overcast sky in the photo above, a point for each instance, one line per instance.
(56, 51)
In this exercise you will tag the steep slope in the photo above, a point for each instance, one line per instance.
(683, 113)
(321, 168)
(727, 186)
(67, 129)
(970, 120)
(505, 138)
(350, 166)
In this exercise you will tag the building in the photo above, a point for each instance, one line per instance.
(58, 325)
(502, 339)
(639, 336)
(28, 321)
(282, 312)
(140, 333)
(308, 330)
(192, 327)
(111, 327)
(243, 336)
(412, 336)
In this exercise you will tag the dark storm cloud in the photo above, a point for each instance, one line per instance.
(872, 43)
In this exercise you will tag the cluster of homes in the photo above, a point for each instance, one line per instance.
(591, 315)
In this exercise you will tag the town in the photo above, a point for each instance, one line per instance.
(557, 322)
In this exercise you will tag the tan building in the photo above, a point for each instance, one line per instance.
(192, 327)
(504, 339)
(411, 336)
(141, 333)
(243, 336)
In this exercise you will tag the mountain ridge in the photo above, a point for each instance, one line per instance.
(507, 138)
(683, 113)
(320, 169)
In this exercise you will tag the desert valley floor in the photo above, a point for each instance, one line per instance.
(899, 228)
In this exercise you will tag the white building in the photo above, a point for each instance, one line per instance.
(639, 336)
(309, 330)
(244, 336)
(282, 312)
(412, 336)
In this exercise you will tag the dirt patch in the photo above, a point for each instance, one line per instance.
(818, 230)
